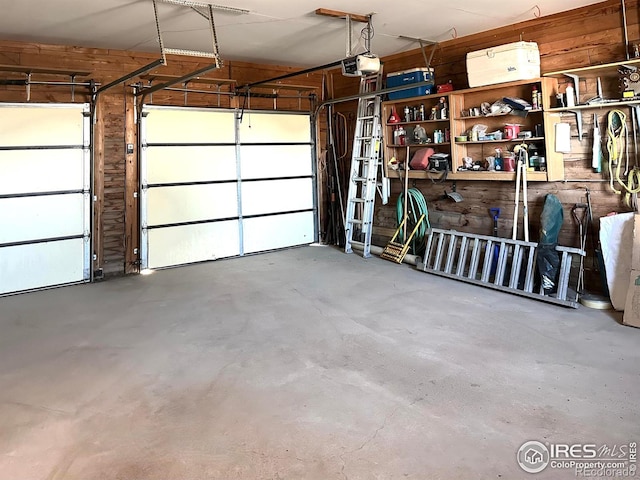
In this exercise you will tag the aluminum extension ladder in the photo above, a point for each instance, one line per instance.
(498, 263)
(365, 162)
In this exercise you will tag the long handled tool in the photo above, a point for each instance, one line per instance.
(581, 220)
(521, 174)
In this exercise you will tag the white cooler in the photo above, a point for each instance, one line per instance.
(504, 63)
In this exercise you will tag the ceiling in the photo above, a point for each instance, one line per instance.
(281, 32)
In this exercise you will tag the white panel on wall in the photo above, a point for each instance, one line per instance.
(171, 125)
(178, 164)
(33, 171)
(33, 218)
(278, 231)
(275, 128)
(191, 203)
(272, 161)
(271, 196)
(25, 267)
(192, 243)
(26, 125)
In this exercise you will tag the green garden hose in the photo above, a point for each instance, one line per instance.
(416, 206)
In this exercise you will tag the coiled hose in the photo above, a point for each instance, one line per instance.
(616, 144)
(416, 206)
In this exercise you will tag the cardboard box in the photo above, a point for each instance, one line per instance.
(504, 63)
(632, 306)
(407, 77)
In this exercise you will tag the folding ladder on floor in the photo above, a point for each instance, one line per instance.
(365, 162)
(495, 262)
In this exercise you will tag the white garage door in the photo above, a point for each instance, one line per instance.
(44, 195)
(215, 187)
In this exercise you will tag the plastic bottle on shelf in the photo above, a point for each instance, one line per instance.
(571, 96)
(534, 98)
(407, 114)
(402, 136)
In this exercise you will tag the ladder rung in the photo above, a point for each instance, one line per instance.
(356, 221)
(358, 200)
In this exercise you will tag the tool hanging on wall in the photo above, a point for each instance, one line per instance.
(617, 138)
(596, 151)
(521, 175)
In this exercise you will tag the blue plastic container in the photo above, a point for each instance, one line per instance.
(407, 77)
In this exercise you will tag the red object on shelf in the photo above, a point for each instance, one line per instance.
(394, 117)
(444, 87)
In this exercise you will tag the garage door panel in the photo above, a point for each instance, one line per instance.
(190, 126)
(278, 231)
(41, 126)
(33, 218)
(273, 161)
(26, 267)
(275, 128)
(272, 196)
(192, 243)
(181, 164)
(36, 171)
(191, 203)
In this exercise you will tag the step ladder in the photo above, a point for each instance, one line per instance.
(498, 263)
(365, 162)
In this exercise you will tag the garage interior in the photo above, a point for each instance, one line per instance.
(175, 296)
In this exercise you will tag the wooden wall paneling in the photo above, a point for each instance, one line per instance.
(132, 218)
(98, 187)
(589, 35)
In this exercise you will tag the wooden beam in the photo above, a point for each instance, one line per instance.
(51, 71)
(338, 14)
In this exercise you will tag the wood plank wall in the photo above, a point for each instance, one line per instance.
(116, 173)
(585, 36)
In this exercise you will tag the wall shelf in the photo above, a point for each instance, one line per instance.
(504, 140)
(462, 100)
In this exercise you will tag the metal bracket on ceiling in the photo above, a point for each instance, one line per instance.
(349, 19)
(208, 14)
(423, 43)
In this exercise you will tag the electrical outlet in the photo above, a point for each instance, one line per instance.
(129, 148)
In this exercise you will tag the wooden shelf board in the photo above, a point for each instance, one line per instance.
(167, 78)
(415, 122)
(477, 117)
(504, 140)
(621, 103)
(419, 145)
(51, 71)
(594, 68)
(501, 176)
(483, 175)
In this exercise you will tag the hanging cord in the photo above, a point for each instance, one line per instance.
(616, 145)
(416, 206)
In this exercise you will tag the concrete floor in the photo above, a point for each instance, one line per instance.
(302, 364)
